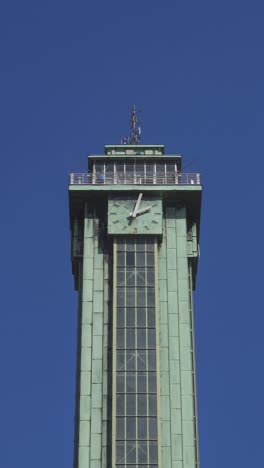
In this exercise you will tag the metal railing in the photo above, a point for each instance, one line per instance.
(134, 179)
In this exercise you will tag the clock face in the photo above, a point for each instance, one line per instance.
(137, 213)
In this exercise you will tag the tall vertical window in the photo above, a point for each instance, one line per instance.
(135, 376)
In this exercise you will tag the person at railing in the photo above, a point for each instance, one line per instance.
(100, 177)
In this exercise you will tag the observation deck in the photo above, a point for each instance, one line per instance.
(134, 179)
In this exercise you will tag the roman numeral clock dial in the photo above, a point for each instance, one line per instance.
(134, 214)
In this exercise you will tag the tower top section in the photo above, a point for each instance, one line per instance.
(136, 152)
(139, 153)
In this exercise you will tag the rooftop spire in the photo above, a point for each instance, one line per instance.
(135, 129)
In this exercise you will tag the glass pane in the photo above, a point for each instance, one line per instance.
(130, 259)
(120, 168)
(150, 259)
(120, 428)
(170, 169)
(141, 279)
(130, 361)
(153, 452)
(120, 382)
(120, 297)
(149, 245)
(151, 317)
(120, 312)
(141, 360)
(142, 382)
(152, 428)
(152, 360)
(141, 338)
(109, 168)
(160, 169)
(120, 360)
(120, 405)
(120, 338)
(99, 167)
(131, 382)
(129, 171)
(140, 168)
(120, 452)
(150, 277)
(120, 244)
(142, 404)
(151, 297)
(130, 297)
(121, 259)
(130, 317)
(131, 404)
(149, 168)
(131, 428)
(140, 245)
(152, 383)
(129, 165)
(141, 297)
(152, 338)
(120, 277)
(152, 405)
(141, 317)
(131, 452)
(130, 245)
(142, 453)
(130, 277)
(142, 428)
(130, 338)
(140, 257)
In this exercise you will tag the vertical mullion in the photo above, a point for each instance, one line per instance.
(136, 351)
(114, 354)
(157, 348)
(125, 358)
(147, 354)
(197, 460)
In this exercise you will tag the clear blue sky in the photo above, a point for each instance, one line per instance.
(69, 71)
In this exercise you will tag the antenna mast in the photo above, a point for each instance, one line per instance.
(135, 129)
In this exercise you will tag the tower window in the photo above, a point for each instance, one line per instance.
(135, 400)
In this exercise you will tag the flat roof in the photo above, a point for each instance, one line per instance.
(133, 156)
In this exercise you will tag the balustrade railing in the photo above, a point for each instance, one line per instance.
(134, 179)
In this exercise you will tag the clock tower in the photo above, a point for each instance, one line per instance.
(134, 220)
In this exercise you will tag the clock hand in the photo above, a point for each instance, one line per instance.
(134, 212)
(143, 210)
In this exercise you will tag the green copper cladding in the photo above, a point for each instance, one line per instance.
(178, 389)
(135, 220)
